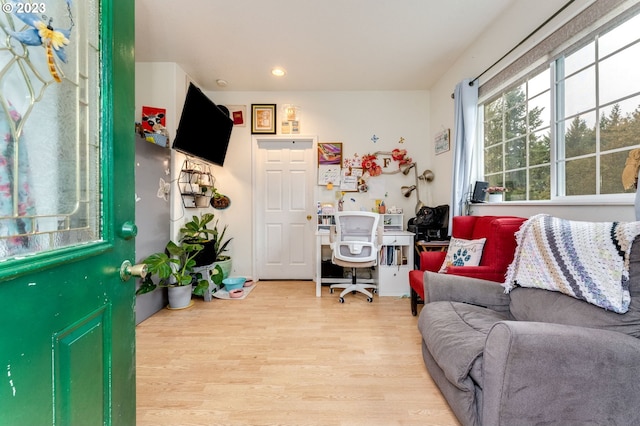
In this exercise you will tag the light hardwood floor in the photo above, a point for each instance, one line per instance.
(284, 357)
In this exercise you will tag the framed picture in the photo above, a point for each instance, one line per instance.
(442, 141)
(238, 114)
(330, 153)
(154, 126)
(263, 119)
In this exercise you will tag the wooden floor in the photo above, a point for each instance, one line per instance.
(284, 357)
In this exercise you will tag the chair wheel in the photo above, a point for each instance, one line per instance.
(369, 299)
(341, 300)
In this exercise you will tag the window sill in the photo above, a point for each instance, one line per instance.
(601, 200)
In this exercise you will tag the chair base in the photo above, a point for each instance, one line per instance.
(362, 286)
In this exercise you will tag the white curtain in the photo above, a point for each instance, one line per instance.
(465, 120)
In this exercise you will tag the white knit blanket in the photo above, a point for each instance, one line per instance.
(585, 260)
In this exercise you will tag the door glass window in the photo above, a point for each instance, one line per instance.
(49, 126)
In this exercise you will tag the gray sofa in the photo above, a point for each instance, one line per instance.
(531, 357)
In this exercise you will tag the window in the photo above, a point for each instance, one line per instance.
(517, 139)
(567, 129)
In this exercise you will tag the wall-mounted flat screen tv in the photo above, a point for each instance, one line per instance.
(204, 129)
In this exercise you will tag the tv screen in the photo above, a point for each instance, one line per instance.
(204, 129)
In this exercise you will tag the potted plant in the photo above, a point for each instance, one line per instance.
(204, 196)
(173, 269)
(496, 193)
(213, 241)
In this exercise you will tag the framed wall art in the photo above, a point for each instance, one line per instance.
(441, 141)
(238, 114)
(263, 119)
(329, 153)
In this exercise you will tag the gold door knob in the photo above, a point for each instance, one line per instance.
(127, 270)
(308, 217)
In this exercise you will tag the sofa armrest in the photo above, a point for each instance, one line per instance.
(454, 288)
(542, 373)
(432, 260)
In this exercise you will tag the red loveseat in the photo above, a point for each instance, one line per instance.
(497, 254)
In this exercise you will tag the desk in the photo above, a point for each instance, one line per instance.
(392, 280)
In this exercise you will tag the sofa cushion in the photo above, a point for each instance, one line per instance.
(455, 334)
(529, 304)
(463, 253)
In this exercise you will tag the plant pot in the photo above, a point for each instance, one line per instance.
(225, 265)
(179, 297)
(202, 201)
(207, 255)
(496, 197)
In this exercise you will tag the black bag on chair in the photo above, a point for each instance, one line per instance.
(430, 223)
(432, 217)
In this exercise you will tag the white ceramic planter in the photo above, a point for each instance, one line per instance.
(496, 198)
(202, 200)
(179, 297)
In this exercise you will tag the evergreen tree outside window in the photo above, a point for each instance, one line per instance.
(517, 140)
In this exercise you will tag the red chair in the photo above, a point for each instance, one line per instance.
(497, 254)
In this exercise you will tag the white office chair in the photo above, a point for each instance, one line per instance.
(354, 242)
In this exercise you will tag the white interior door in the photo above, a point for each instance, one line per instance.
(285, 232)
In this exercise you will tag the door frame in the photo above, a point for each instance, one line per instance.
(255, 139)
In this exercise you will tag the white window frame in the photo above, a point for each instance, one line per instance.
(557, 195)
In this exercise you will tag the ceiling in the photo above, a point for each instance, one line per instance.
(322, 44)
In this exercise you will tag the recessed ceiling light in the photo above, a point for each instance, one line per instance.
(278, 72)
(222, 83)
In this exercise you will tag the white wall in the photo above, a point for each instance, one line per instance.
(348, 117)
(157, 85)
(507, 31)
(163, 85)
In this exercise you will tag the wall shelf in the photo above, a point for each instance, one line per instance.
(196, 184)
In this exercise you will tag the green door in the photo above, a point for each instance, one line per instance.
(67, 348)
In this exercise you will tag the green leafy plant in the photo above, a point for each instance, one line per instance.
(216, 278)
(197, 231)
(172, 268)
